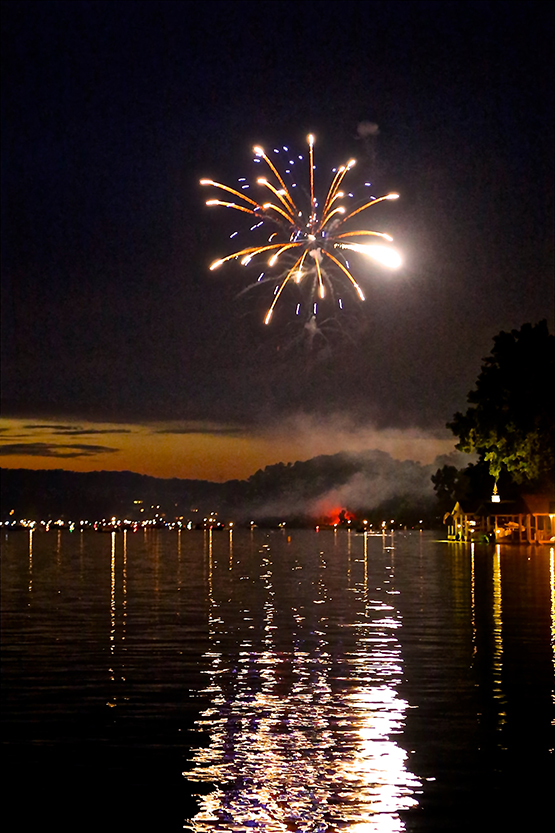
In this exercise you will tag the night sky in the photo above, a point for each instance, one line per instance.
(122, 350)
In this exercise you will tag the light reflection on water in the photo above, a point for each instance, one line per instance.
(297, 654)
(302, 720)
(552, 587)
(499, 697)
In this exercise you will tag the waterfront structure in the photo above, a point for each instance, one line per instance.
(530, 519)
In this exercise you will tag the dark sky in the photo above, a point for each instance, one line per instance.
(113, 111)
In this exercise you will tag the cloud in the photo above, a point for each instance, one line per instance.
(49, 427)
(50, 450)
(76, 431)
(204, 428)
(341, 432)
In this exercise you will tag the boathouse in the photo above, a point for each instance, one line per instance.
(530, 519)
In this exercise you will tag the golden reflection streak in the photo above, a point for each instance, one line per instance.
(156, 559)
(113, 596)
(30, 586)
(124, 586)
(473, 601)
(114, 608)
(294, 752)
(498, 637)
(552, 584)
(210, 564)
(366, 607)
(112, 634)
(179, 562)
(311, 157)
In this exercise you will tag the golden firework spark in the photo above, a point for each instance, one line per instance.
(313, 239)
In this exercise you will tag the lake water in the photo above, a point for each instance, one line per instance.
(276, 681)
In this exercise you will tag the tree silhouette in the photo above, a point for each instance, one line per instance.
(511, 421)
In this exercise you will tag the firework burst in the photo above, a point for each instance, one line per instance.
(305, 246)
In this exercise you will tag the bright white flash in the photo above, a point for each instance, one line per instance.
(382, 254)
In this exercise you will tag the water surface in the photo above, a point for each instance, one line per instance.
(277, 680)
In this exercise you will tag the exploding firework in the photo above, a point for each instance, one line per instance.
(305, 247)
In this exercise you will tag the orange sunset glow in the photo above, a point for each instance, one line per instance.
(205, 451)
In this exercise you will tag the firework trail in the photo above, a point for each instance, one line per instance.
(310, 242)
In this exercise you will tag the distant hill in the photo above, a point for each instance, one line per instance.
(100, 494)
(319, 488)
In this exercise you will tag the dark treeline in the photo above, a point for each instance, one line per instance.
(370, 485)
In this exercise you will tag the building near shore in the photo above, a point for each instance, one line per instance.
(530, 519)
